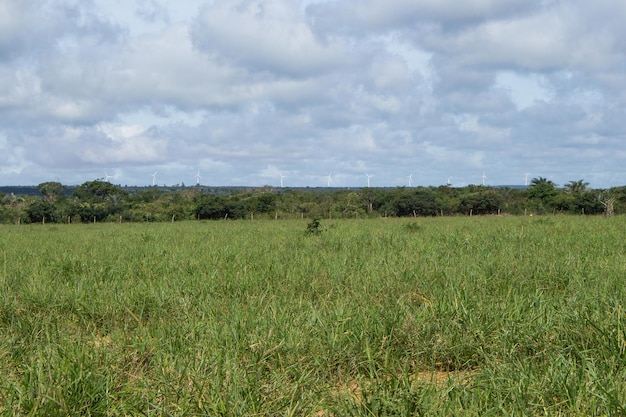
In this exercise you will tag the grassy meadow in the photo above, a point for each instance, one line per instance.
(469, 316)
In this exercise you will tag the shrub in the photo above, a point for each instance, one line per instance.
(314, 227)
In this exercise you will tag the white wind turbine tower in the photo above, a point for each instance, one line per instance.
(449, 183)
(526, 179)
(484, 178)
(281, 180)
(107, 177)
(330, 179)
(410, 177)
(368, 179)
(198, 177)
(154, 178)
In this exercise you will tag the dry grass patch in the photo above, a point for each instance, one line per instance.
(353, 389)
(440, 378)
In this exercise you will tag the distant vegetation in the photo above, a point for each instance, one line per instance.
(100, 201)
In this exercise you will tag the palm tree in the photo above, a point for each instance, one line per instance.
(12, 200)
(541, 182)
(576, 187)
(542, 189)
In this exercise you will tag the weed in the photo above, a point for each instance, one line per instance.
(314, 227)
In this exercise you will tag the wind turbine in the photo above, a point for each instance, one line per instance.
(198, 178)
(330, 179)
(526, 179)
(410, 177)
(281, 180)
(107, 176)
(154, 178)
(484, 178)
(368, 179)
(449, 181)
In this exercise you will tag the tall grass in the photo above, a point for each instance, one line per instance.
(442, 316)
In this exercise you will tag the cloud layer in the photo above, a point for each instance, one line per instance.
(245, 91)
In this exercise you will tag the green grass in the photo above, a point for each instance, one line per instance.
(443, 316)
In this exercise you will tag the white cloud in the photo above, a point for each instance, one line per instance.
(391, 74)
(484, 133)
(271, 172)
(593, 139)
(525, 89)
(262, 36)
(24, 28)
(392, 12)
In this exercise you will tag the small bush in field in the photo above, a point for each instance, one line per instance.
(314, 227)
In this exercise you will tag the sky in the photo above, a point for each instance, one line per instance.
(312, 93)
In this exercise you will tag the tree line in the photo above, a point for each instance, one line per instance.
(100, 201)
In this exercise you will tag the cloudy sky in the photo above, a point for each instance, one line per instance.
(247, 91)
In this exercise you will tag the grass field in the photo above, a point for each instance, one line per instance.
(436, 316)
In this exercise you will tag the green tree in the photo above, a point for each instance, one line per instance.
(98, 200)
(542, 193)
(620, 198)
(447, 199)
(587, 203)
(351, 205)
(40, 211)
(513, 200)
(99, 191)
(372, 199)
(582, 200)
(262, 203)
(51, 190)
(404, 202)
(541, 187)
(484, 201)
(147, 195)
(208, 206)
(14, 207)
(576, 187)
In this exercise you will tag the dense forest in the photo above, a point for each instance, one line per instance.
(100, 201)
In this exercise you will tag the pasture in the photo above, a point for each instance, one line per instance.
(427, 316)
